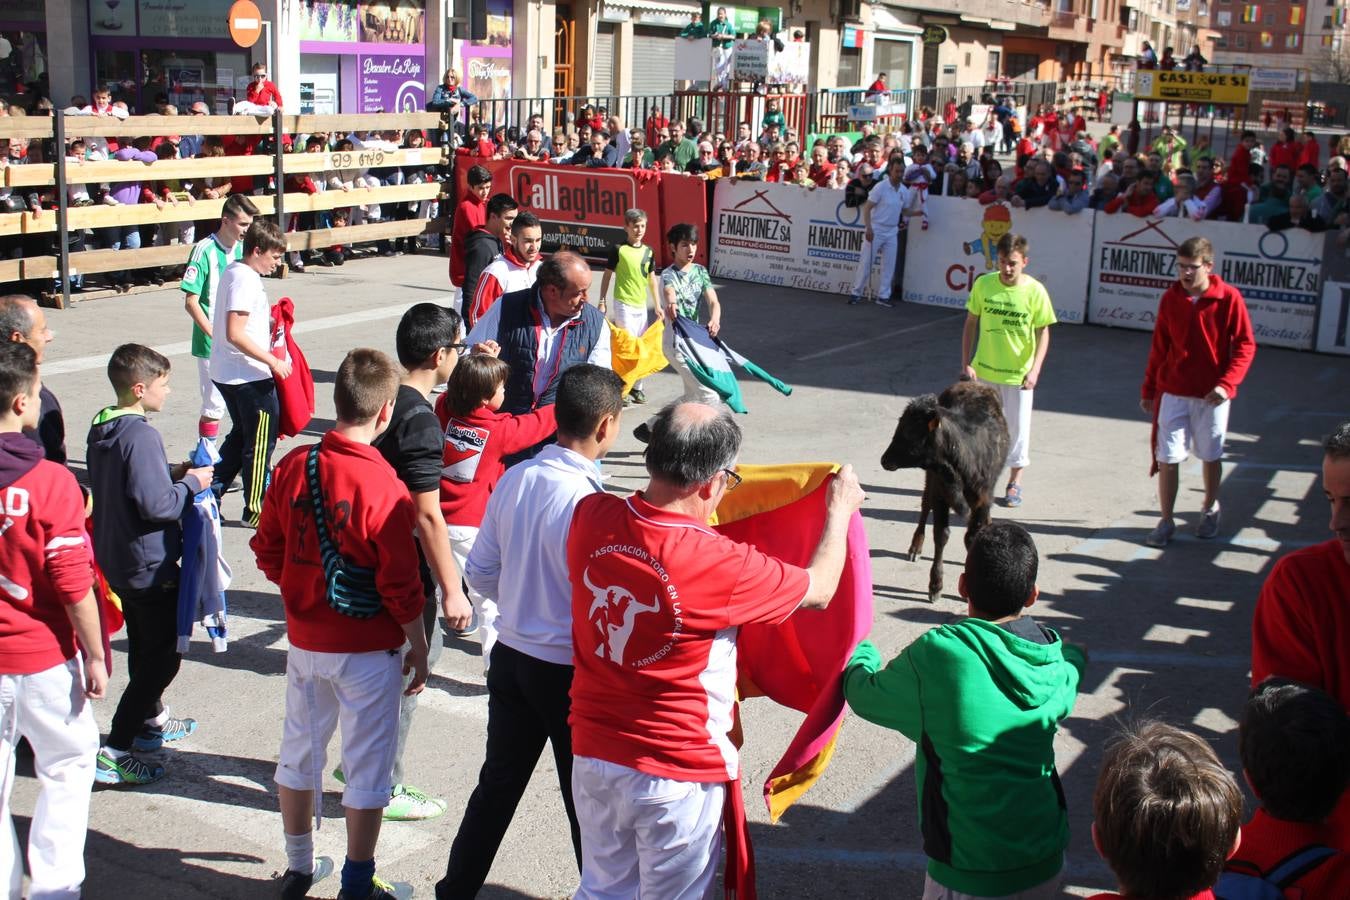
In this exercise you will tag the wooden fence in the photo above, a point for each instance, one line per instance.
(57, 175)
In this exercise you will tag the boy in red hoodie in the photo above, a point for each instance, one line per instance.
(1202, 348)
(339, 665)
(471, 213)
(47, 605)
(1165, 814)
(477, 436)
(1293, 741)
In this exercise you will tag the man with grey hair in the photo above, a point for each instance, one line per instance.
(657, 598)
(190, 147)
(22, 320)
(543, 331)
(1301, 629)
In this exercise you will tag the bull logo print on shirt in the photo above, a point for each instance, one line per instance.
(613, 611)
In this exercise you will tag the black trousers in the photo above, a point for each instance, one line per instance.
(248, 447)
(528, 704)
(898, 277)
(152, 659)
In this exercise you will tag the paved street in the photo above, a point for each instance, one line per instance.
(1167, 631)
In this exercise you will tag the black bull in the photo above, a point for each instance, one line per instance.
(960, 440)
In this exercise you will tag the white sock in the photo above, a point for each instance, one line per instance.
(300, 852)
(115, 754)
(159, 720)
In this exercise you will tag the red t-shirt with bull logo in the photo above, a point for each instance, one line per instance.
(656, 601)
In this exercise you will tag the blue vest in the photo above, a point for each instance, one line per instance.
(518, 333)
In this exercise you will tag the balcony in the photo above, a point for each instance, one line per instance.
(1032, 14)
(1067, 26)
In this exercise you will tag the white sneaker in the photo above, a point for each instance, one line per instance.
(1209, 524)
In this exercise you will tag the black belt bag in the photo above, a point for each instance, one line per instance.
(351, 588)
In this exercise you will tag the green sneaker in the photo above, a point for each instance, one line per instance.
(408, 804)
(128, 770)
(383, 890)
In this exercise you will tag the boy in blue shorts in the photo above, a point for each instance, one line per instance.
(982, 698)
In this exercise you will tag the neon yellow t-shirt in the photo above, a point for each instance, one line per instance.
(632, 268)
(1009, 319)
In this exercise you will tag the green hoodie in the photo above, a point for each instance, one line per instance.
(983, 705)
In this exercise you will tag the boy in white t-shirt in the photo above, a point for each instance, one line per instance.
(243, 367)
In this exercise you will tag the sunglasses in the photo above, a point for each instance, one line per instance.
(733, 480)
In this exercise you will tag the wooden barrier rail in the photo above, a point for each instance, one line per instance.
(48, 224)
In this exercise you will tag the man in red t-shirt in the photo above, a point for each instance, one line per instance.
(1202, 348)
(657, 596)
(1301, 628)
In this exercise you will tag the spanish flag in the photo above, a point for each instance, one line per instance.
(798, 663)
(634, 358)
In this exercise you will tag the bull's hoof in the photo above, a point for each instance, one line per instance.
(934, 595)
(912, 555)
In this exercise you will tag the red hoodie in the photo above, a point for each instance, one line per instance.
(371, 519)
(43, 556)
(1200, 344)
(470, 214)
(474, 447)
(1135, 204)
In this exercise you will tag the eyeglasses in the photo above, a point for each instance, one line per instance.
(733, 480)
(1195, 268)
(458, 348)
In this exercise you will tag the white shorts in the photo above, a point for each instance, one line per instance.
(1017, 411)
(360, 690)
(213, 405)
(1187, 424)
(643, 836)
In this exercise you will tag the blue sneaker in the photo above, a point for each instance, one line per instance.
(127, 770)
(153, 737)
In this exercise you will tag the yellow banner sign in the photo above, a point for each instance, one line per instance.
(1192, 87)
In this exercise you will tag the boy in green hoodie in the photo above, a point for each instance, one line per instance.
(982, 698)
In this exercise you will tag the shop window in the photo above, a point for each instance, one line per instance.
(850, 66)
(23, 73)
(183, 77)
(994, 57)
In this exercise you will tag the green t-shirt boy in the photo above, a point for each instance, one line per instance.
(205, 266)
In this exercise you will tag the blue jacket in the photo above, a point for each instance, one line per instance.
(518, 335)
(137, 507)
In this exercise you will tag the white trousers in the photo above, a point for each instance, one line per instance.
(1046, 890)
(49, 708)
(1017, 410)
(695, 391)
(1190, 423)
(461, 542)
(213, 404)
(643, 837)
(886, 242)
(632, 319)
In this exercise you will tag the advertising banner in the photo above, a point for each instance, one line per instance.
(581, 209)
(1192, 87)
(1278, 273)
(785, 235)
(1333, 323)
(943, 260)
(392, 82)
(487, 63)
(750, 60)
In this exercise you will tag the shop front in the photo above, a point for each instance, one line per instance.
(362, 57)
(23, 51)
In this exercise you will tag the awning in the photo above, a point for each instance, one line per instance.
(884, 20)
(659, 6)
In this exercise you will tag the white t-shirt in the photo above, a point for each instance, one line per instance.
(240, 290)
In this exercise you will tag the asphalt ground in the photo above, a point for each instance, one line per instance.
(1167, 631)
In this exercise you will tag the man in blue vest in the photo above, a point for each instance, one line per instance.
(542, 332)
